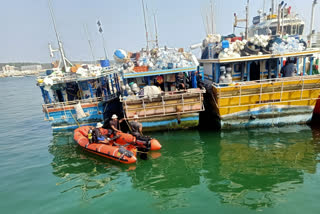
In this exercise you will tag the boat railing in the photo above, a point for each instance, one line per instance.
(82, 101)
(278, 85)
(146, 104)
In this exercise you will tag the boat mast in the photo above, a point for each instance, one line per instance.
(63, 57)
(282, 17)
(272, 7)
(212, 19)
(312, 21)
(145, 25)
(103, 40)
(89, 41)
(279, 16)
(247, 20)
(156, 29)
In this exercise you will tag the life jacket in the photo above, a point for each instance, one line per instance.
(90, 134)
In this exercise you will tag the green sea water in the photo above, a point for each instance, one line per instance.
(269, 170)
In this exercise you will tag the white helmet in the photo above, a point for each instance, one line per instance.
(114, 116)
(135, 116)
(99, 125)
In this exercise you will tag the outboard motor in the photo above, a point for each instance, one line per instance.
(143, 143)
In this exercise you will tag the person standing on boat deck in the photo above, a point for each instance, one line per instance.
(136, 127)
(97, 136)
(290, 69)
(115, 123)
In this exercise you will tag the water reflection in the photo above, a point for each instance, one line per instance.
(257, 168)
(178, 170)
(79, 170)
(249, 168)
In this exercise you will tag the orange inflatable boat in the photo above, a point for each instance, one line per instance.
(124, 154)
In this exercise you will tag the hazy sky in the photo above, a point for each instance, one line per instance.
(26, 26)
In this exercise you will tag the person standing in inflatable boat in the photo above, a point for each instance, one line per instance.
(136, 127)
(115, 123)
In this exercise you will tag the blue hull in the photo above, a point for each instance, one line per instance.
(171, 123)
(67, 120)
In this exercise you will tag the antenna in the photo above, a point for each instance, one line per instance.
(145, 25)
(89, 41)
(64, 60)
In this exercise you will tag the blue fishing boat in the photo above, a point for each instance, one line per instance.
(77, 95)
(73, 101)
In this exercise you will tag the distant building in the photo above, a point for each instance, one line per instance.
(8, 69)
(31, 68)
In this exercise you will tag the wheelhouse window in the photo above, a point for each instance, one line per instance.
(301, 28)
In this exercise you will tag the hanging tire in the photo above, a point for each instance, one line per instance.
(244, 53)
(304, 44)
(250, 50)
(265, 51)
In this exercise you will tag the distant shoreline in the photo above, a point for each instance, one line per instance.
(21, 73)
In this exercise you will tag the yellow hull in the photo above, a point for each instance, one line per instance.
(283, 101)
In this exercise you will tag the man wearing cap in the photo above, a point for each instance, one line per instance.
(136, 127)
(97, 136)
(115, 123)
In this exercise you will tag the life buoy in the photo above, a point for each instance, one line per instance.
(80, 94)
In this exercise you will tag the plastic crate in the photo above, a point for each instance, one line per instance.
(140, 68)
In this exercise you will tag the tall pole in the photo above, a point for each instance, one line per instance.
(212, 19)
(272, 7)
(208, 26)
(278, 23)
(279, 16)
(282, 18)
(103, 40)
(89, 41)
(63, 58)
(104, 46)
(145, 25)
(247, 20)
(312, 21)
(156, 29)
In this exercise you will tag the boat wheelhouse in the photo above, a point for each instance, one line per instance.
(286, 22)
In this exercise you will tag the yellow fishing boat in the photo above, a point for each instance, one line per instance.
(269, 99)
